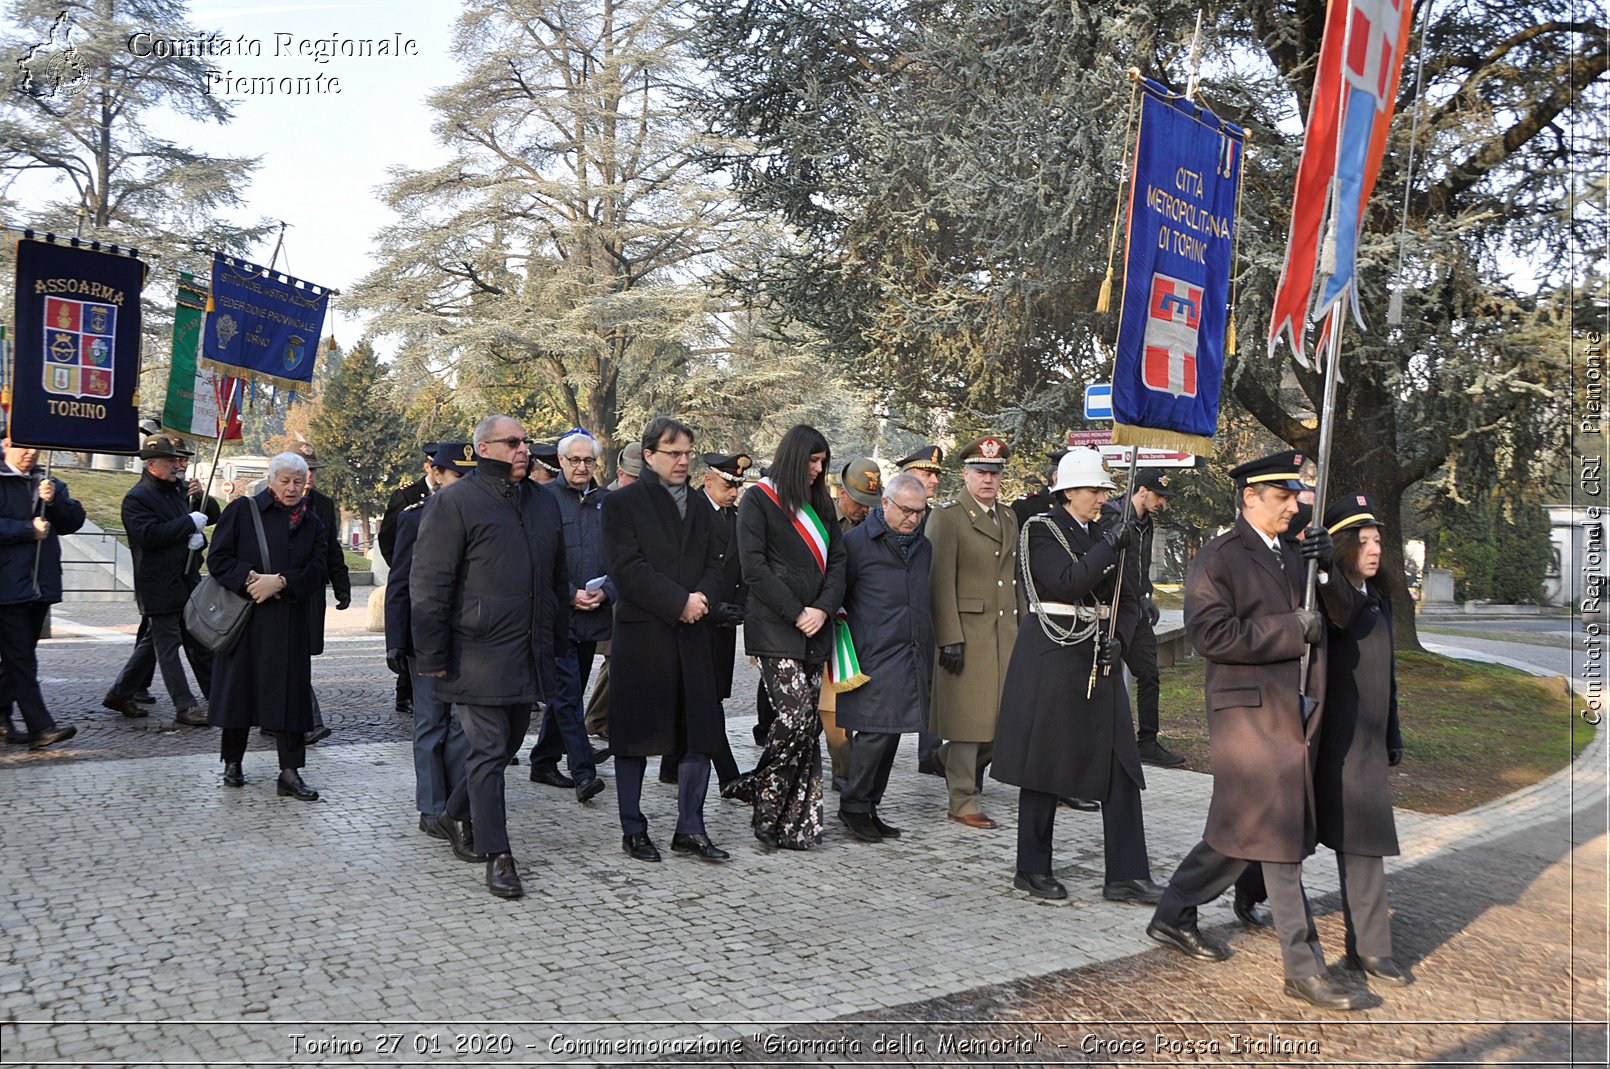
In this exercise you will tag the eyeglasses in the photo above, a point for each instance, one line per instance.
(580, 462)
(674, 454)
(512, 442)
(903, 510)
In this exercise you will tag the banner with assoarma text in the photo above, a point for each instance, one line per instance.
(77, 358)
(1182, 205)
(196, 395)
(263, 325)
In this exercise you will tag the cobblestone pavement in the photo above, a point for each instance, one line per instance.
(152, 917)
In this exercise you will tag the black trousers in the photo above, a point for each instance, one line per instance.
(495, 734)
(721, 759)
(692, 785)
(162, 637)
(19, 663)
(1122, 825)
(871, 759)
(1204, 875)
(292, 752)
(1140, 657)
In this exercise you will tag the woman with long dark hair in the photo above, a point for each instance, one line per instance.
(793, 564)
(1359, 737)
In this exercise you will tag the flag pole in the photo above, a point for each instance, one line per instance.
(1118, 583)
(1327, 414)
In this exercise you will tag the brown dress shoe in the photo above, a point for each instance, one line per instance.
(192, 716)
(975, 820)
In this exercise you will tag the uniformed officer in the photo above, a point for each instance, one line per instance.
(1243, 611)
(1148, 496)
(860, 490)
(976, 605)
(414, 493)
(545, 462)
(925, 463)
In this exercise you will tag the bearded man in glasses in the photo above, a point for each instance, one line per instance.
(490, 603)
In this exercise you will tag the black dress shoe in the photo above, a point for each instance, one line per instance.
(1083, 805)
(294, 787)
(888, 831)
(501, 877)
(861, 826)
(1325, 993)
(1142, 891)
(1153, 752)
(16, 736)
(668, 775)
(1383, 969)
(602, 755)
(428, 826)
(129, 707)
(759, 733)
(586, 792)
(460, 838)
(551, 777)
(1040, 885)
(768, 838)
(405, 705)
(932, 766)
(699, 846)
(1187, 939)
(1251, 913)
(51, 737)
(233, 775)
(317, 735)
(639, 847)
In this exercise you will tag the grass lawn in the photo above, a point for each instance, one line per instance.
(1471, 732)
(101, 493)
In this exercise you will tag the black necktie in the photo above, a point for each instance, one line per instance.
(1280, 558)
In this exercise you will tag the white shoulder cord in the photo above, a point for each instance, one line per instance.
(1088, 618)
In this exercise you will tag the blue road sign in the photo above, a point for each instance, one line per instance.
(1098, 400)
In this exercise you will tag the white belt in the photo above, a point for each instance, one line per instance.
(1062, 608)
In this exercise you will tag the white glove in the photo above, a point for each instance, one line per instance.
(196, 541)
(200, 520)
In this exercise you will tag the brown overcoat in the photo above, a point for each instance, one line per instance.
(975, 601)
(1240, 612)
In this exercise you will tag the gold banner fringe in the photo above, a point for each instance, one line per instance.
(840, 686)
(294, 385)
(1153, 438)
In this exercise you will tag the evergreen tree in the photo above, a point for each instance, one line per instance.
(362, 435)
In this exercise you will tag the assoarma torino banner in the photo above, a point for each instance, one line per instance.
(263, 325)
(1182, 201)
(196, 395)
(77, 356)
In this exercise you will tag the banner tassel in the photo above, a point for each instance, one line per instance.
(1394, 308)
(1229, 338)
(1104, 298)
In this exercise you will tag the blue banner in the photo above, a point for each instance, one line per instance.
(263, 325)
(77, 359)
(1182, 206)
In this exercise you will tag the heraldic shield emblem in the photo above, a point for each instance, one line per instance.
(1173, 323)
(295, 349)
(80, 337)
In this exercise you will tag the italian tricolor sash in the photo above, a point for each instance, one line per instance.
(844, 668)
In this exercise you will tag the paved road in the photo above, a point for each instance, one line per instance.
(152, 917)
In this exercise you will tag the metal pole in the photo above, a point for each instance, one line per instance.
(1327, 414)
(217, 452)
(1123, 554)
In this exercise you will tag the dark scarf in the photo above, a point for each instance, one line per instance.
(906, 543)
(297, 512)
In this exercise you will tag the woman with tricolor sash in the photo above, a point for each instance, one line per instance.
(793, 565)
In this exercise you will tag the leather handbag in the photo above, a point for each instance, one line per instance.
(216, 616)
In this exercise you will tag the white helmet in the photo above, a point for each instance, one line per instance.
(1082, 468)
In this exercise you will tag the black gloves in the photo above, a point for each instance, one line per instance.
(342, 603)
(1153, 613)
(1120, 535)
(727, 614)
(1394, 756)
(397, 661)
(1317, 546)
(951, 659)
(1313, 625)
(1108, 651)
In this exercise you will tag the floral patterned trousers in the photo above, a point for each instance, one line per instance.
(786, 785)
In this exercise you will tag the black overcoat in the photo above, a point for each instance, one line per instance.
(266, 681)
(489, 598)
(405, 533)
(662, 688)
(1050, 737)
(886, 601)
(156, 517)
(30, 568)
(1240, 611)
(783, 579)
(724, 640)
(412, 494)
(1352, 788)
(336, 573)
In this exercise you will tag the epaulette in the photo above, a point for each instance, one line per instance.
(945, 505)
(416, 505)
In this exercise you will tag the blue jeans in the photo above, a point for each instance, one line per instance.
(439, 748)
(563, 730)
